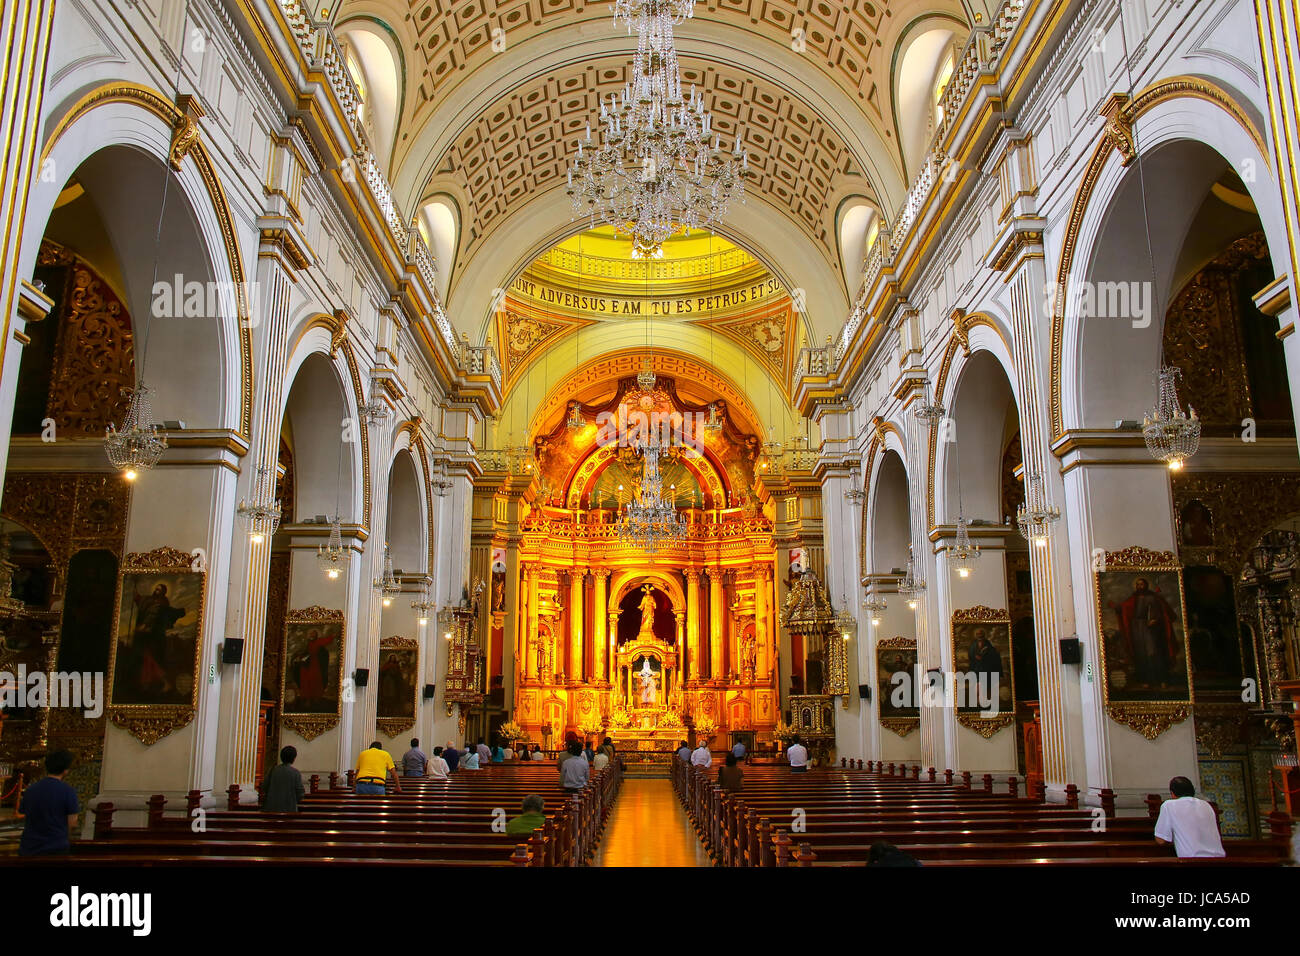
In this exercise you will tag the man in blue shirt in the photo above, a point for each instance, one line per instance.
(684, 753)
(452, 756)
(51, 809)
(739, 750)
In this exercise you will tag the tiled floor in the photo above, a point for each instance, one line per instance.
(649, 828)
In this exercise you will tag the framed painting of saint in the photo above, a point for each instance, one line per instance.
(399, 669)
(154, 662)
(898, 696)
(982, 664)
(311, 674)
(1141, 622)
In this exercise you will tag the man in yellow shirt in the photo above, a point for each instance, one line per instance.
(374, 767)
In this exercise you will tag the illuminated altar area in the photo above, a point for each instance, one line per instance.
(645, 646)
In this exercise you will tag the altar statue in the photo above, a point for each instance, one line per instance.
(648, 607)
(649, 688)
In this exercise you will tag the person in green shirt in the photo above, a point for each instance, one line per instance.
(531, 819)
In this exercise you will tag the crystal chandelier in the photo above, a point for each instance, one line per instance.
(845, 622)
(261, 514)
(439, 480)
(715, 419)
(388, 584)
(1171, 436)
(138, 445)
(875, 606)
(375, 411)
(929, 411)
(911, 587)
(575, 421)
(424, 603)
(963, 554)
(645, 379)
(1035, 516)
(331, 557)
(661, 168)
(649, 519)
(854, 494)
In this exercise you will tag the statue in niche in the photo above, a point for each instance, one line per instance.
(648, 608)
(649, 686)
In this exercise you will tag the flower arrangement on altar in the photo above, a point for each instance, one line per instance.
(705, 726)
(783, 732)
(511, 731)
(620, 718)
(591, 726)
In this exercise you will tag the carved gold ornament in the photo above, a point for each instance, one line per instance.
(1150, 720)
(986, 727)
(900, 725)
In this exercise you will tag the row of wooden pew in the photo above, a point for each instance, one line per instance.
(833, 816)
(457, 822)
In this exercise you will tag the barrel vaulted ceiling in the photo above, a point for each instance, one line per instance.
(495, 125)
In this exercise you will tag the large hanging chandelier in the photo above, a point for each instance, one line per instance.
(1035, 516)
(649, 519)
(261, 512)
(929, 411)
(661, 168)
(911, 587)
(331, 557)
(1171, 436)
(875, 606)
(138, 445)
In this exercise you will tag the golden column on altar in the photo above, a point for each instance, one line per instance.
(692, 670)
(599, 622)
(715, 623)
(577, 608)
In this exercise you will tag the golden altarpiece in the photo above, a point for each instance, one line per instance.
(613, 639)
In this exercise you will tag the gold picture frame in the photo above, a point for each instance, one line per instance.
(968, 626)
(156, 651)
(399, 655)
(1121, 571)
(308, 633)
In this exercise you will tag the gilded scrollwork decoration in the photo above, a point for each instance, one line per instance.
(1144, 653)
(311, 672)
(154, 664)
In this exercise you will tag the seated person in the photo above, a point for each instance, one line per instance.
(415, 761)
(731, 776)
(49, 807)
(797, 754)
(574, 773)
(438, 769)
(533, 817)
(469, 758)
(1188, 822)
(886, 854)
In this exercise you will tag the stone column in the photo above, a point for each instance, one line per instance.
(577, 609)
(692, 670)
(599, 621)
(715, 623)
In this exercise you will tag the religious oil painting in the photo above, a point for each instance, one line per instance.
(981, 639)
(896, 655)
(1140, 613)
(398, 675)
(156, 652)
(1213, 634)
(313, 665)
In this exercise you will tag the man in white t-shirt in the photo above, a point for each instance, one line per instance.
(700, 756)
(1187, 822)
(797, 754)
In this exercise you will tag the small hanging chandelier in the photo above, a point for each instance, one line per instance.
(261, 514)
(439, 480)
(331, 557)
(845, 622)
(576, 421)
(1171, 436)
(424, 603)
(875, 606)
(911, 587)
(963, 553)
(388, 585)
(715, 418)
(645, 378)
(930, 412)
(138, 445)
(1035, 516)
(854, 494)
(375, 411)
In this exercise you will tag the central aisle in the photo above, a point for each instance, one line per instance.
(649, 828)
